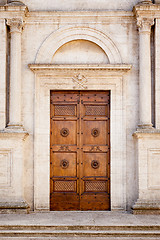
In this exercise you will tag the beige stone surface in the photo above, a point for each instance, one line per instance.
(79, 225)
(101, 43)
(61, 77)
(157, 71)
(3, 43)
(12, 166)
(80, 51)
(80, 5)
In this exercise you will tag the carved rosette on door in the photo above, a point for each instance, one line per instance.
(80, 150)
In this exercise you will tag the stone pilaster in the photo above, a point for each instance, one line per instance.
(147, 138)
(144, 25)
(15, 25)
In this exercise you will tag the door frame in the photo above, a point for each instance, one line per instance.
(80, 198)
(79, 77)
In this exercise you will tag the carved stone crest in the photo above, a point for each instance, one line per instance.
(80, 81)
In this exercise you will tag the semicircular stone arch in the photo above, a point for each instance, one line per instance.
(58, 38)
(80, 52)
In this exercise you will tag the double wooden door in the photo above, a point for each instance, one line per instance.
(80, 150)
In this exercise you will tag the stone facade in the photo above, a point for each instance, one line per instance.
(45, 46)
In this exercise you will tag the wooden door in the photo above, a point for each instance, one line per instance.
(80, 150)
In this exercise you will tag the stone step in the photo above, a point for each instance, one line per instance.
(81, 227)
(79, 238)
(70, 232)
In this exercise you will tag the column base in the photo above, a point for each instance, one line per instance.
(146, 207)
(146, 2)
(15, 3)
(15, 126)
(145, 126)
(14, 207)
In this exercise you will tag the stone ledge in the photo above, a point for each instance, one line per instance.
(148, 132)
(14, 207)
(20, 133)
(106, 67)
(146, 207)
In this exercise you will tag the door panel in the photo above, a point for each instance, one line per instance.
(94, 164)
(64, 132)
(94, 132)
(64, 164)
(80, 150)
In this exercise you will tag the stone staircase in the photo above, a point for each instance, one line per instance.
(79, 232)
(55, 226)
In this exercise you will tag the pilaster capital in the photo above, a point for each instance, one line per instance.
(15, 24)
(144, 12)
(144, 24)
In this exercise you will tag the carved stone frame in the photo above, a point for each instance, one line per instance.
(61, 77)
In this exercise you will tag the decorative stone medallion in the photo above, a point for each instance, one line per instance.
(80, 81)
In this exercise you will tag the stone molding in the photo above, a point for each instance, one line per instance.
(15, 2)
(109, 68)
(15, 24)
(60, 77)
(14, 207)
(14, 133)
(149, 133)
(146, 207)
(145, 1)
(66, 34)
(101, 17)
(145, 12)
(10, 10)
(5, 168)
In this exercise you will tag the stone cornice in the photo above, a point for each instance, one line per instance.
(108, 69)
(143, 10)
(19, 133)
(147, 11)
(102, 17)
(53, 17)
(10, 11)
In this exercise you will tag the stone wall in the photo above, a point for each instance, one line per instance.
(50, 37)
(64, 5)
